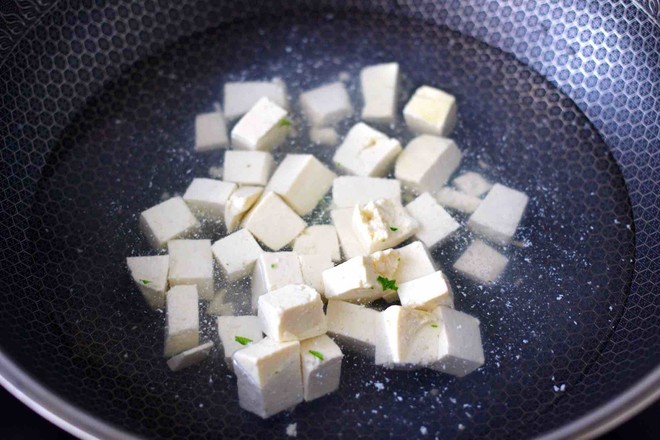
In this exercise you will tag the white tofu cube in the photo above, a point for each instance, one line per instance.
(321, 359)
(367, 152)
(382, 224)
(273, 222)
(450, 198)
(166, 221)
(356, 327)
(426, 293)
(348, 191)
(292, 313)
(427, 162)
(190, 357)
(343, 221)
(324, 136)
(236, 254)
(182, 328)
(263, 127)
(312, 267)
(274, 270)
(431, 111)
(191, 262)
(269, 377)
(414, 262)
(435, 224)
(481, 263)
(326, 105)
(361, 279)
(237, 332)
(210, 132)
(301, 180)
(460, 351)
(499, 214)
(239, 204)
(240, 97)
(248, 167)
(208, 197)
(472, 183)
(380, 91)
(150, 275)
(318, 239)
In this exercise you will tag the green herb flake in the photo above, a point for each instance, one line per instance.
(273, 266)
(387, 284)
(145, 282)
(242, 340)
(285, 122)
(316, 354)
(434, 325)
(394, 228)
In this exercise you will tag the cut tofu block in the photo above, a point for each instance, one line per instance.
(367, 152)
(435, 224)
(237, 332)
(210, 132)
(348, 191)
(168, 220)
(357, 327)
(426, 293)
(450, 198)
(326, 105)
(248, 167)
(236, 254)
(324, 136)
(239, 204)
(460, 351)
(263, 127)
(472, 183)
(343, 221)
(312, 267)
(481, 263)
(191, 262)
(380, 92)
(292, 313)
(269, 377)
(320, 359)
(190, 357)
(499, 214)
(150, 275)
(274, 270)
(301, 180)
(382, 224)
(318, 239)
(431, 111)
(273, 222)
(357, 279)
(414, 262)
(240, 97)
(208, 197)
(182, 328)
(427, 162)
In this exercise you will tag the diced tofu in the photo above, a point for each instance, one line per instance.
(426, 293)
(273, 222)
(326, 105)
(191, 262)
(450, 198)
(481, 263)
(431, 111)
(414, 262)
(358, 278)
(269, 377)
(248, 167)
(318, 239)
(274, 270)
(263, 128)
(292, 313)
(382, 224)
(367, 152)
(301, 180)
(460, 350)
(236, 254)
(380, 89)
(182, 328)
(324, 136)
(356, 327)
(240, 97)
(499, 214)
(237, 332)
(348, 191)
(472, 183)
(343, 221)
(312, 267)
(240, 203)
(168, 220)
(210, 132)
(427, 162)
(150, 275)
(321, 359)
(208, 197)
(190, 357)
(435, 224)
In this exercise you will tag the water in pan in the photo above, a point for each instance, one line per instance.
(542, 325)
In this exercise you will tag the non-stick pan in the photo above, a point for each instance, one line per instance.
(560, 99)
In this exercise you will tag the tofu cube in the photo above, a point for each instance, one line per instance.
(237, 332)
(382, 224)
(426, 293)
(427, 162)
(190, 357)
(301, 180)
(380, 90)
(210, 132)
(431, 111)
(460, 351)
(318, 239)
(367, 152)
(182, 328)
(450, 198)
(292, 313)
(481, 263)
(273, 222)
(414, 262)
(312, 267)
(321, 360)
(435, 224)
(342, 219)
(236, 254)
(208, 197)
(248, 167)
(324, 136)
(166, 221)
(326, 105)
(348, 191)
(357, 327)
(191, 262)
(472, 183)
(263, 127)
(272, 271)
(150, 275)
(239, 204)
(499, 214)
(269, 377)
(240, 97)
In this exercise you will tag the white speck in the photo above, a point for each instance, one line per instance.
(357, 395)
(452, 400)
(379, 386)
(292, 430)
(423, 430)
(461, 427)
(559, 388)
(525, 341)
(559, 297)
(201, 405)
(125, 355)
(80, 251)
